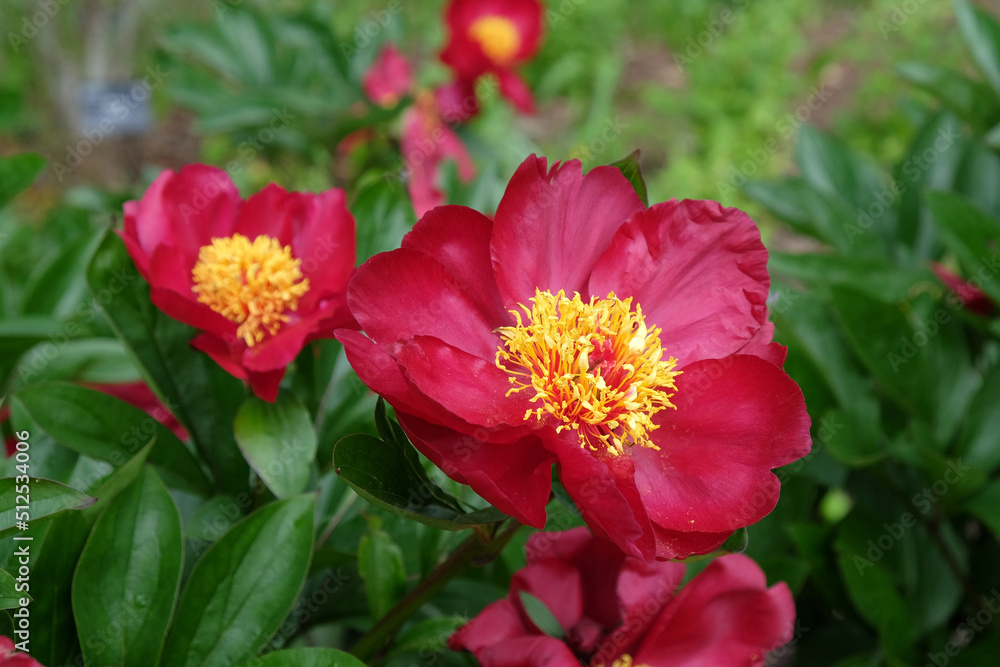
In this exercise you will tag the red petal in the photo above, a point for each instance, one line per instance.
(389, 78)
(528, 652)
(514, 477)
(324, 239)
(698, 270)
(184, 209)
(264, 384)
(516, 90)
(672, 544)
(471, 388)
(598, 561)
(498, 623)
(459, 238)
(404, 293)
(558, 585)
(724, 616)
(603, 488)
(552, 225)
(737, 418)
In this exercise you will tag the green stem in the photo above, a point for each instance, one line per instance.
(472, 550)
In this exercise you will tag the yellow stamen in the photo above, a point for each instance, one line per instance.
(624, 661)
(594, 366)
(498, 36)
(251, 283)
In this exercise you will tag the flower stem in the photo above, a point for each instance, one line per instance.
(472, 550)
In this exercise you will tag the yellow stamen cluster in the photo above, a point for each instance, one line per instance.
(251, 283)
(594, 366)
(498, 36)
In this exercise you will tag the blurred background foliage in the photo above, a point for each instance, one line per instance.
(860, 135)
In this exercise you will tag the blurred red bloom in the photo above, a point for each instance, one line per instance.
(492, 36)
(260, 277)
(11, 658)
(388, 79)
(974, 299)
(617, 610)
(630, 346)
(427, 143)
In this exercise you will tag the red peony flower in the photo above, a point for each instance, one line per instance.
(427, 143)
(492, 36)
(630, 346)
(11, 658)
(974, 299)
(388, 79)
(618, 610)
(260, 278)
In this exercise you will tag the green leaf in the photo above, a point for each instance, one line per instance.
(243, 587)
(629, 166)
(874, 276)
(986, 506)
(982, 37)
(972, 235)
(306, 657)
(45, 498)
(17, 172)
(278, 442)
(23, 333)
(117, 481)
(108, 429)
(380, 564)
(978, 442)
(10, 597)
(427, 636)
(541, 616)
(970, 100)
(128, 576)
(380, 473)
(96, 360)
(734, 544)
(202, 396)
(870, 586)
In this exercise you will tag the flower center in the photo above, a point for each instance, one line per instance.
(594, 366)
(252, 283)
(498, 36)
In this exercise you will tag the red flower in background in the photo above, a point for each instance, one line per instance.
(11, 658)
(617, 610)
(974, 299)
(260, 277)
(629, 346)
(492, 36)
(427, 143)
(388, 79)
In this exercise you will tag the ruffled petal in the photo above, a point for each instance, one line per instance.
(459, 238)
(552, 225)
(736, 419)
(405, 293)
(698, 270)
